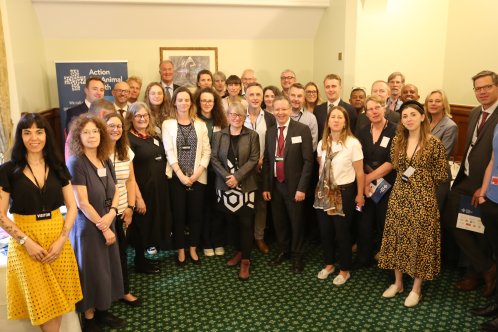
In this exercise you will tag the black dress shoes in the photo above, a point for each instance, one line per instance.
(147, 269)
(136, 303)
(108, 319)
(279, 259)
(491, 325)
(152, 262)
(488, 311)
(297, 265)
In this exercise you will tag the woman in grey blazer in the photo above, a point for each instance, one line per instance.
(235, 155)
(442, 127)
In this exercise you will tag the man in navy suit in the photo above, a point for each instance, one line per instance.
(94, 90)
(478, 146)
(167, 72)
(288, 162)
(333, 90)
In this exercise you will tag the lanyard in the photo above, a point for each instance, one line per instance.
(41, 190)
(299, 118)
(104, 184)
(413, 154)
(234, 147)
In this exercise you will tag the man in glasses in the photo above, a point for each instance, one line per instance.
(121, 94)
(287, 78)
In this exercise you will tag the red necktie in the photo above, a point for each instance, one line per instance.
(483, 122)
(279, 165)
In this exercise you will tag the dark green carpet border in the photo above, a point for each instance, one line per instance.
(211, 298)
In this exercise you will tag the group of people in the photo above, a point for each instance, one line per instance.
(191, 169)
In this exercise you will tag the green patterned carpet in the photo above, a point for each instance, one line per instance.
(211, 298)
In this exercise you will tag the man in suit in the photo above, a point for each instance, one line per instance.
(260, 121)
(287, 170)
(409, 92)
(121, 92)
(478, 147)
(333, 90)
(94, 90)
(396, 81)
(135, 84)
(167, 71)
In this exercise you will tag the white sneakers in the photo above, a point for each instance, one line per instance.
(392, 291)
(219, 251)
(412, 300)
(208, 252)
(340, 280)
(324, 273)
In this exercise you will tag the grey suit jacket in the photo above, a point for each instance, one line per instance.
(298, 157)
(479, 155)
(447, 131)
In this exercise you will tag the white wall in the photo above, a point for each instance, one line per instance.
(268, 57)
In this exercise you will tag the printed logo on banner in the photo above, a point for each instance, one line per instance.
(74, 79)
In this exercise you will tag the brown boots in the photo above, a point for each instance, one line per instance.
(244, 269)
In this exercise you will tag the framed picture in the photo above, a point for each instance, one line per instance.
(188, 61)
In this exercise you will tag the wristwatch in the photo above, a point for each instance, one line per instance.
(114, 208)
(131, 207)
(23, 240)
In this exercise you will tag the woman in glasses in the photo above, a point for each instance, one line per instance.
(152, 223)
(210, 111)
(234, 159)
(311, 97)
(186, 141)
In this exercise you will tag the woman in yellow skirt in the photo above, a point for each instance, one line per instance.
(42, 273)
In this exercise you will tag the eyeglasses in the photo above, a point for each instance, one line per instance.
(287, 77)
(236, 115)
(376, 108)
(484, 88)
(311, 92)
(207, 101)
(115, 126)
(141, 116)
(123, 92)
(89, 132)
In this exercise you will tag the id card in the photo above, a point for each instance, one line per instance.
(101, 172)
(494, 180)
(279, 159)
(156, 142)
(44, 216)
(384, 142)
(296, 139)
(408, 173)
(185, 147)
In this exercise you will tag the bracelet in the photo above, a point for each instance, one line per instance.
(114, 208)
(132, 207)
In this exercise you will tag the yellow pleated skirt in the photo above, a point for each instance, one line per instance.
(39, 291)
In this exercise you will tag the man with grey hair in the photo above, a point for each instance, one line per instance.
(248, 76)
(167, 72)
(287, 78)
(396, 81)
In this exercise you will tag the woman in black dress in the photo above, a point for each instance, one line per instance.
(234, 159)
(42, 273)
(93, 235)
(152, 225)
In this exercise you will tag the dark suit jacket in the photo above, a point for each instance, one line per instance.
(479, 155)
(321, 112)
(298, 157)
(269, 120)
(73, 113)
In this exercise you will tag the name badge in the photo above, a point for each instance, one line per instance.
(409, 172)
(494, 180)
(156, 142)
(279, 159)
(185, 147)
(108, 202)
(158, 158)
(336, 147)
(296, 139)
(384, 142)
(44, 216)
(101, 172)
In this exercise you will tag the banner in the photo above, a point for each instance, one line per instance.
(71, 78)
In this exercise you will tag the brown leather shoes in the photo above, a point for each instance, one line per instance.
(235, 259)
(262, 246)
(489, 281)
(468, 283)
(244, 269)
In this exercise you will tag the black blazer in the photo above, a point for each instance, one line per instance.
(321, 112)
(75, 112)
(269, 119)
(298, 157)
(481, 152)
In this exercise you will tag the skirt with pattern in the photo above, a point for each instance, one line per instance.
(36, 290)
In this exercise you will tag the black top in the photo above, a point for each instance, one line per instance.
(25, 196)
(374, 154)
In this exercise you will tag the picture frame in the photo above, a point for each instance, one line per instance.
(188, 61)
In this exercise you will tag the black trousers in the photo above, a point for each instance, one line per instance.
(371, 228)
(336, 231)
(187, 209)
(474, 245)
(122, 243)
(242, 231)
(489, 217)
(213, 223)
(288, 219)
